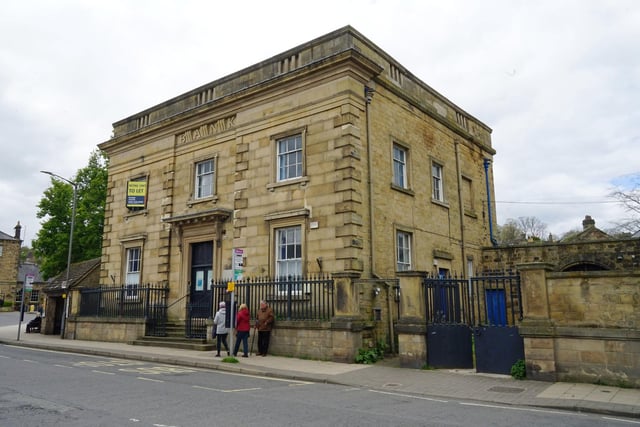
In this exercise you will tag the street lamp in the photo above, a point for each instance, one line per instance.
(73, 184)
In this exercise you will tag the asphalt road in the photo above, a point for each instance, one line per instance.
(49, 388)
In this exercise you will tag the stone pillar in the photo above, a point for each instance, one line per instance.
(347, 323)
(537, 328)
(412, 325)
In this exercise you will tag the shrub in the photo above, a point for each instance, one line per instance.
(519, 370)
(368, 356)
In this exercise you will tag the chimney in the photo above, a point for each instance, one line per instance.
(588, 222)
(18, 229)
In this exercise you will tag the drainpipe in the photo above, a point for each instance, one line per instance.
(460, 207)
(494, 242)
(368, 96)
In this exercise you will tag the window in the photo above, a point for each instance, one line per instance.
(436, 173)
(289, 252)
(35, 296)
(400, 166)
(133, 269)
(204, 179)
(403, 248)
(289, 152)
(1, 250)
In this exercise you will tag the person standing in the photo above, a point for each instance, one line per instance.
(264, 324)
(221, 329)
(243, 327)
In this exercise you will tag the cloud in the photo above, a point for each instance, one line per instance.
(558, 82)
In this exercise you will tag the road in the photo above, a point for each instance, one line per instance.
(39, 387)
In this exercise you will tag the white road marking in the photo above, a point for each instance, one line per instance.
(516, 408)
(621, 420)
(29, 361)
(150, 379)
(227, 391)
(409, 395)
(102, 372)
(64, 366)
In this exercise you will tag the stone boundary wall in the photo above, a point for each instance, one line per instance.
(582, 326)
(104, 329)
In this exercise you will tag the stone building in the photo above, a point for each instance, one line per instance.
(328, 158)
(9, 263)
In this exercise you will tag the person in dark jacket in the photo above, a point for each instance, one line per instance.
(243, 326)
(264, 324)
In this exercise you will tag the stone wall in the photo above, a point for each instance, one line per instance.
(612, 254)
(581, 326)
(104, 329)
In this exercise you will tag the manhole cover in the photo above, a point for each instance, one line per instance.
(499, 389)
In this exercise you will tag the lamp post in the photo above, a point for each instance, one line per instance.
(73, 184)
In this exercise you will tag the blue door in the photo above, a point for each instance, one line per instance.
(496, 307)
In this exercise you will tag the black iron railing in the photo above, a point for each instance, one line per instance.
(291, 298)
(123, 301)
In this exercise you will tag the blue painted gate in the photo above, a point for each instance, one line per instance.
(474, 317)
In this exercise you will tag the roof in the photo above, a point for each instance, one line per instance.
(5, 236)
(29, 268)
(77, 272)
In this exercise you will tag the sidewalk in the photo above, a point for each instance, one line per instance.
(383, 376)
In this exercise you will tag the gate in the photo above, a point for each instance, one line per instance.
(475, 316)
(448, 334)
(199, 309)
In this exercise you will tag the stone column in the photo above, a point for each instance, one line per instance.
(537, 328)
(347, 323)
(412, 325)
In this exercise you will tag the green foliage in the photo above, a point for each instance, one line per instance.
(230, 359)
(368, 356)
(51, 244)
(519, 370)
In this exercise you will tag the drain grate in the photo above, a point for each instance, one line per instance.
(499, 389)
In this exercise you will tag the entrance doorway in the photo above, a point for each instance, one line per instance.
(201, 275)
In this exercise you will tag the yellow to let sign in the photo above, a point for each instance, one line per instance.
(231, 286)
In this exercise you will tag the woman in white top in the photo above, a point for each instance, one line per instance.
(221, 330)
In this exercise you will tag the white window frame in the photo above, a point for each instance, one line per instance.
(290, 157)
(437, 181)
(403, 250)
(288, 257)
(204, 180)
(133, 271)
(400, 166)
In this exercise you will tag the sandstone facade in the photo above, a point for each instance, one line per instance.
(385, 161)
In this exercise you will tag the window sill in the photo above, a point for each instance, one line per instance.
(470, 214)
(131, 214)
(213, 200)
(440, 203)
(302, 181)
(406, 191)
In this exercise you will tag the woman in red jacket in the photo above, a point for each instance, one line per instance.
(243, 326)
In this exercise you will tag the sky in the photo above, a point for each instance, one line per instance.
(557, 81)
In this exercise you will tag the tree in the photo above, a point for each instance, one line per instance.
(51, 244)
(510, 233)
(520, 230)
(630, 199)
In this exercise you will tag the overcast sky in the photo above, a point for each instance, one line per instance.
(557, 81)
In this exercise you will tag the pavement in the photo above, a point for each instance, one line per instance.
(384, 376)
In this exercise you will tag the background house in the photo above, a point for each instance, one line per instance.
(9, 265)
